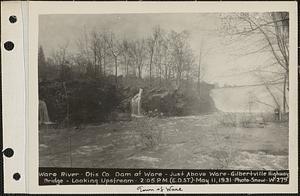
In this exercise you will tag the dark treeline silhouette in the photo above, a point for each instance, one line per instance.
(105, 72)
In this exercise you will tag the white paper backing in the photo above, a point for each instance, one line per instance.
(13, 97)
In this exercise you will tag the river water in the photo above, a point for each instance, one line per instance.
(247, 98)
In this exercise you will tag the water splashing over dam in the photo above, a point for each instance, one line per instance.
(136, 104)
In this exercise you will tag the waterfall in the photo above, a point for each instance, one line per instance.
(43, 113)
(136, 104)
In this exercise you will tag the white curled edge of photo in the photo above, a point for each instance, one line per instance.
(13, 97)
(13, 87)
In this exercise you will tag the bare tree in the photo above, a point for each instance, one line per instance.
(271, 31)
(138, 50)
(125, 48)
(113, 46)
(60, 55)
(160, 51)
(151, 43)
(61, 60)
(84, 57)
(200, 70)
(42, 64)
(167, 58)
(105, 51)
(93, 52)
(95, 47)
(267, 85)
(181, 53)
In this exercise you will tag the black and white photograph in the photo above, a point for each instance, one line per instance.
(164, 90)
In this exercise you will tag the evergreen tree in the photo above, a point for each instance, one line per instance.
(42, 67)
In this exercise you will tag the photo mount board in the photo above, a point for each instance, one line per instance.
(20, 97)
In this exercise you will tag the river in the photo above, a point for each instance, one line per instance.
(247, 98)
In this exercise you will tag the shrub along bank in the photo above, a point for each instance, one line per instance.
(84, 101)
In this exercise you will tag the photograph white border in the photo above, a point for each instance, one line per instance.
(37, 8)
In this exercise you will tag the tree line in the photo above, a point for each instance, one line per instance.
(104, 72)
(165, 56)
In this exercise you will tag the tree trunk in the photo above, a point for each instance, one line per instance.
(140, 71)
(179, 79)
(166, 72)
(67, 103)
(95, 63)
(127, 68)
(159, 67)
(199, 69)
(150, 65)
(116, 70)
(125, 61)
(104, 65)
(284, 95)
(100, 63)
(100, 67)
(150, 74)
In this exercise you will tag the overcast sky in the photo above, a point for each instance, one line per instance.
(220, 64)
